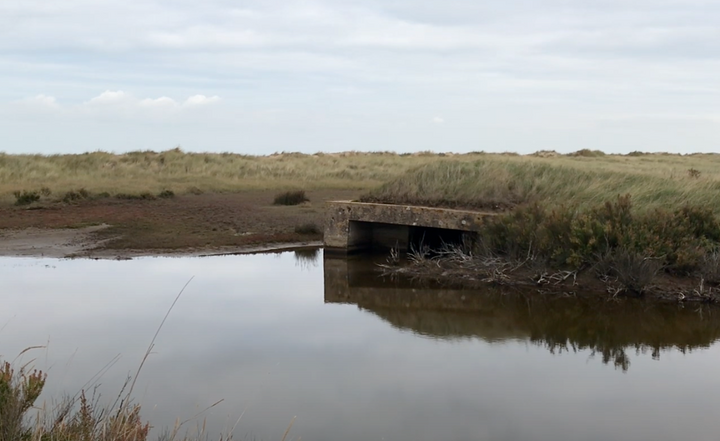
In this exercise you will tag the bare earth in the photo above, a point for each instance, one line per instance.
(189, 224)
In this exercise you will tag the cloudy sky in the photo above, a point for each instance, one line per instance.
(332, 75)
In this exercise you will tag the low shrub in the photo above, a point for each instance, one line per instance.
(571, 237)
(633, 271)
(308, 228)
(291, 198)
(588, 153)
(26, 197)
(76, 195)
(166, 194)
(146, 195)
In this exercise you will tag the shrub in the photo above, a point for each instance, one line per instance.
(633, 271)
(26, 197)
(291, 198)
(694, 173)
(308, 228)
(146, 195)
(18, 392)
(710, 267)
(76, 195)
(166, 194)
(588, 153)
(570, 237)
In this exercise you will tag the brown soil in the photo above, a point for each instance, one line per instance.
(193, 224)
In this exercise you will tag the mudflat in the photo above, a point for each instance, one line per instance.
(208, 223)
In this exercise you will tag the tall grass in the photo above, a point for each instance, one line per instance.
(497, 182)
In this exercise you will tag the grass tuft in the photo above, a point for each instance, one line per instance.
(26, 197)
(76, 195)
(166, 194)
(294, 197)
(309, 228)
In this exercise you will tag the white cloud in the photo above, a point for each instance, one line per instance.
(163, 101)
(555, 66)
(44, 101)
(116, 104)
(200, 100)
(110, 97)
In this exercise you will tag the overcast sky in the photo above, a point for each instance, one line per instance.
(332, 75)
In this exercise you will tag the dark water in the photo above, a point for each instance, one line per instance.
(354, 357)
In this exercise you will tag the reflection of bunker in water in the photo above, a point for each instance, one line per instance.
(494, 314)
(355, 226)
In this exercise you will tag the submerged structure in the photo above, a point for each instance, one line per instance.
(358, 226)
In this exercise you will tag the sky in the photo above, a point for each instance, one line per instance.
(258, 77)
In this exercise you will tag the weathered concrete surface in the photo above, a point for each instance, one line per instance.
(351, 225)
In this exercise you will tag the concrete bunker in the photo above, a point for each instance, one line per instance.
(363, 235)
(353, 226)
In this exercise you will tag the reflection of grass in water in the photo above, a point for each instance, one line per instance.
(611, 330)
(307, 257)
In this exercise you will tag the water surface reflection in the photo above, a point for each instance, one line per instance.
(368, 364)
(611, 329)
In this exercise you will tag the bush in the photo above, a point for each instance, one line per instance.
(76, 195)
(290, 198)
(633, 271)
(308, 228)
(18, 392)
(166, 194)
(570, 237)
(26, 197)
(588, 153)
(146, 195)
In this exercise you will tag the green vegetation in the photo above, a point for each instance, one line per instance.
(295, 197)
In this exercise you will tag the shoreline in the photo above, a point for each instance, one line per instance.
(81, 243)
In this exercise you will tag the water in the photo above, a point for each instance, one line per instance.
(357, 358)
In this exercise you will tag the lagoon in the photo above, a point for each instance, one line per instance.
(264, 334)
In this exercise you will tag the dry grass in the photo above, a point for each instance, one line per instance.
(154, 172)
(473, 180)
(501, 181)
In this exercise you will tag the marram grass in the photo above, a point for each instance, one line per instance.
(495, 181)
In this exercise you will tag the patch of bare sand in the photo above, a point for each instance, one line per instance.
(41, 242)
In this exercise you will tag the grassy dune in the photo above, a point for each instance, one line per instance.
(138, 172)
(478, 180)
(501, 181)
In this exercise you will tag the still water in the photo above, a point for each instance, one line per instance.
(354, 357)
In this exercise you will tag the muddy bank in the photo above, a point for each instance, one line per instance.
(57, 243)
(185, 225)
